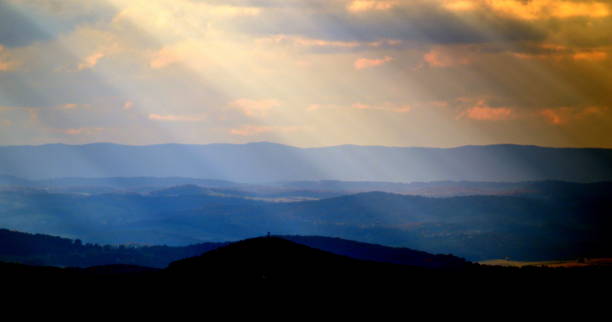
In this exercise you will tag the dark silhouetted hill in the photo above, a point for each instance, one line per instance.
(379, 253)
(273, 258)
(264, 264)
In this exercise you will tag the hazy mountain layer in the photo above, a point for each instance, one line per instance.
(286, 190)
(554, 221)
(267, 162)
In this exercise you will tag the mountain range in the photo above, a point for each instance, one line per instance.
(269, 162)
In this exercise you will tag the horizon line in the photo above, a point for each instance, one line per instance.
(307, 147)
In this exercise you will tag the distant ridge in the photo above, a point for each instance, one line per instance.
(269, 162)
(538, 221)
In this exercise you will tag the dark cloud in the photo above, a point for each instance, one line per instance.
(16, 29)
(424, 23)
(27, 22)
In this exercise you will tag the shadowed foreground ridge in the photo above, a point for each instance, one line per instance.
(273, 263)
(276, 258)
(379, 253)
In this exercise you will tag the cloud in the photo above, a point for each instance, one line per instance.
(164, 57)
(81, 49)
(319, 45)
(254, 130)
(363, 63)
(16, 28)
(177, 117)
(6, 62)
(128, 105)
(388, 107)
(533, 9)
(188, 51)
(167, 20)
(5, 66)
(299, 41)
(412, 21)
(557, 52)
(82, 131)
(73, 106)
(90, 61)
(596, 55)
(534, 61)
(565, 115)
(370, 5)
(385, 107)
(231, 11)
(255, 108)
(460, 5)
(447, 56)
(481, 111)
(544, 9)
(485, 113)
(555, 116)
(69, 106)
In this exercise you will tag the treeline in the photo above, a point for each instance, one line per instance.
(40, 249)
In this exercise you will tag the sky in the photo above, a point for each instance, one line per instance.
(437, 73)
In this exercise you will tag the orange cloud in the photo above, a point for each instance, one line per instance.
(69, 106)
(554, 116)
(72, 106)
(128, 105)
(253, 130)
(370, 5)
(190, 51)
(6, 64)
(590, 55)
(564, 115)
(306, 42)
(82, 131)
(446, 57)
(255, 107)
(460, 5)
(91, 61)
(389, 107)
(363, 63)
(163, 58)
(177, 118)
(533, 9)
(558, 52)
(385, 107)
(483, 112)
(314, 107)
